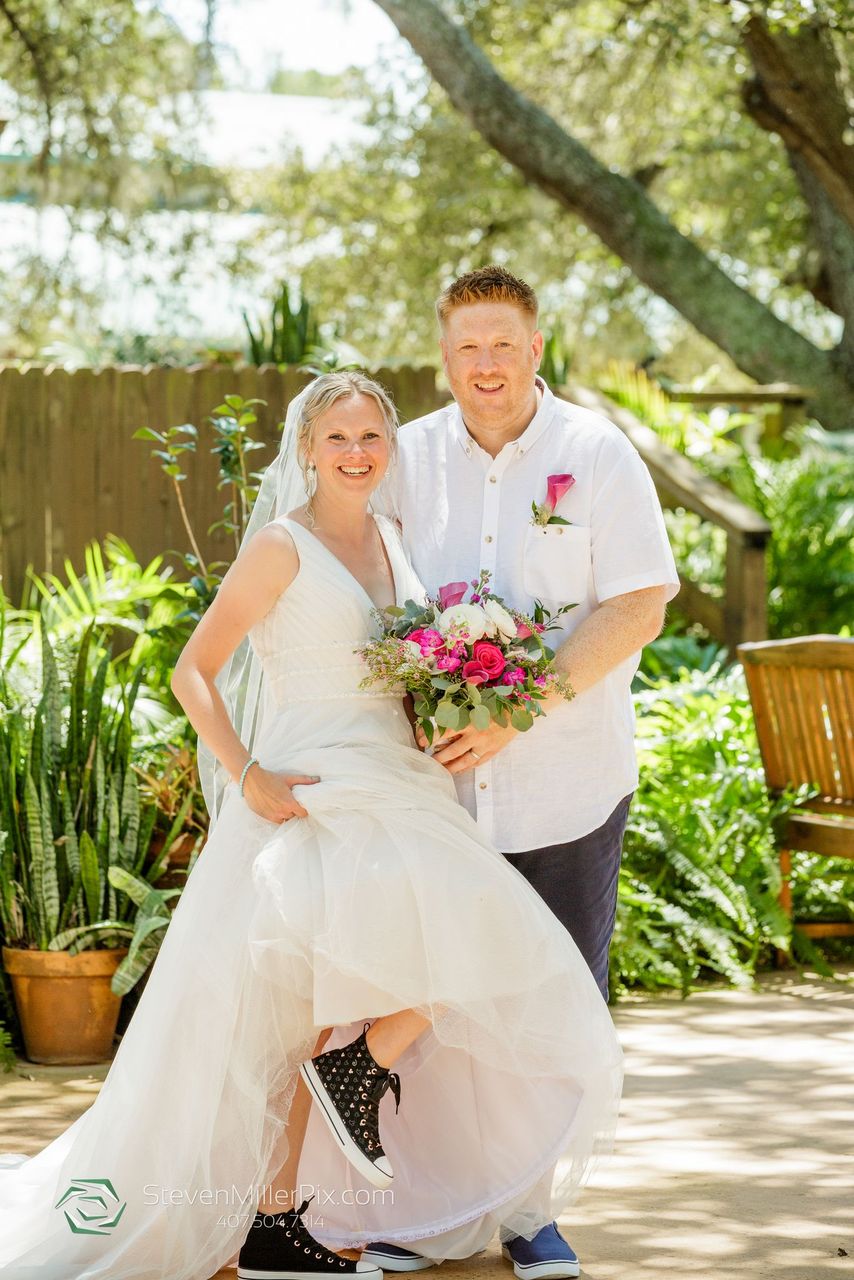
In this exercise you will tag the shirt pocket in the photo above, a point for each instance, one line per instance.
(557, 563)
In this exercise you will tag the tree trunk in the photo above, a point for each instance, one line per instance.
(620, 212)
(796, 94)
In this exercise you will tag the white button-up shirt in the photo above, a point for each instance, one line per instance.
(461, 511)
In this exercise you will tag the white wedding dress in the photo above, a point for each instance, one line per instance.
(384, 898)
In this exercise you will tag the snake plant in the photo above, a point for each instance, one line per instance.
(70, 803)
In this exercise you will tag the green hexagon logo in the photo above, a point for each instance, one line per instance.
(92, 1206)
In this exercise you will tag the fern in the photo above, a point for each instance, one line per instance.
(700, 874)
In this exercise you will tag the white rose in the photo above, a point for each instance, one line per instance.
(505, 624)
(465, 617)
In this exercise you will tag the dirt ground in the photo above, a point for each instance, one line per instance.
(734, 1157)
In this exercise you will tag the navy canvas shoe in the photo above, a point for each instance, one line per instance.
(546, 1257)
(393, 1257)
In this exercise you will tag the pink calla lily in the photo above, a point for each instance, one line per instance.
(452, 593)
(557, 487)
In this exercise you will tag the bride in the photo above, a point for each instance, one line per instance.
(345, 918)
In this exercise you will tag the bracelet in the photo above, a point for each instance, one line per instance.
(246, 768)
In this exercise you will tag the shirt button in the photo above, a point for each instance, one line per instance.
(560, 529)
(482, 786)
(488, 538)
(492, 479)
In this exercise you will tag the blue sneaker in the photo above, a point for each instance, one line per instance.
(546, 1257)
(392, 1257)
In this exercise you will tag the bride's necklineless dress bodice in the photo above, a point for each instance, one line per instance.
(386, 535)
(307, 641)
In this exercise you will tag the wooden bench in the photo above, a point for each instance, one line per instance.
(802, 692)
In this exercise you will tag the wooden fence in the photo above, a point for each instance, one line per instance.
(70, 470)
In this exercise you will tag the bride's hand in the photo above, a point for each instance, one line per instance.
(270, 796)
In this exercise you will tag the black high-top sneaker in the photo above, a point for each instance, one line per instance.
(347, 1084)
(280, 1247)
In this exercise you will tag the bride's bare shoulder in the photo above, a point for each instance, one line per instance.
(271, 554)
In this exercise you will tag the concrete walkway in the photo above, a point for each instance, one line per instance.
(735, 1155)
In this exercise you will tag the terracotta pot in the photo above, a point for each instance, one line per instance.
(68, 1012)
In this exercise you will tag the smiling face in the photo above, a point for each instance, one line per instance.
(350, 447)
(491, 352)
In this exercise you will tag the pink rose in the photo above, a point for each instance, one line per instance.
(490, 658)
(557, 487)
(451, 594)
(474, 673)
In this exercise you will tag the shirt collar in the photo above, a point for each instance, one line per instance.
(529, 436)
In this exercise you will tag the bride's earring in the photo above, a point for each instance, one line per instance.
(310, 474)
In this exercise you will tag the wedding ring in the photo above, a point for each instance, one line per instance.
(474, 753)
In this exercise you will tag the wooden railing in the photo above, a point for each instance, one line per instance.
(742, 613)
(776, 406)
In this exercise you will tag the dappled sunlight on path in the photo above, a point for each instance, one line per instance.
(735, 1154)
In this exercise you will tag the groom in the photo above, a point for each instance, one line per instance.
(554, 799)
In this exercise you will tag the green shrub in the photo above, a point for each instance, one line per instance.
(292, 335)
(700, 877)
(809, 502)
(70, 805)
(145, 609)
(806, 495)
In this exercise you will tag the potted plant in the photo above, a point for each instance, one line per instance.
(170, 780)
(70, 810)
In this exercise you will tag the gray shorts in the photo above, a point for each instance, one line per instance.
(578, 880)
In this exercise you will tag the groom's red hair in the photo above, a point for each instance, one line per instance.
(487, 284)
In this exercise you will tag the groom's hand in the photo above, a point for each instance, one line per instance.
(470, 747)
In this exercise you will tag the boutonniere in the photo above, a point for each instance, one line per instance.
(544, 512)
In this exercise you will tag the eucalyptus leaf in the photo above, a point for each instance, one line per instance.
(480, 718)
(447, 715)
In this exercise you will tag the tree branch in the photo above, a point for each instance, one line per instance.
(796, 94)
(620, 212)
(40, 72)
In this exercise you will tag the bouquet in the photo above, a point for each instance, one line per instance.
(466, 661)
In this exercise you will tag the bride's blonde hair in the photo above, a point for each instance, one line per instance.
(321, 395)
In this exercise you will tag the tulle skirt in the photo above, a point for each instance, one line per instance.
(384, 898)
